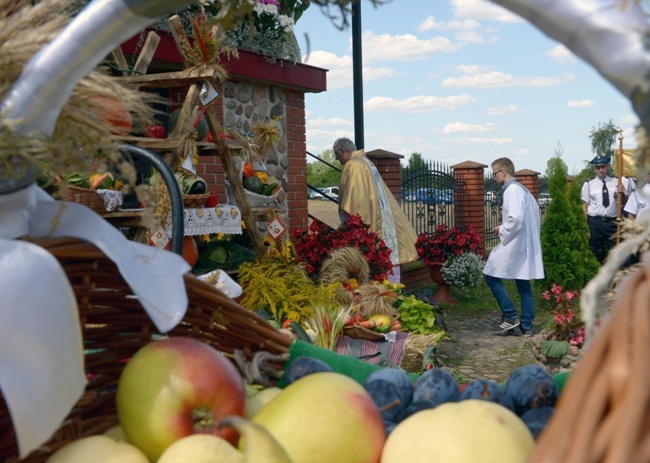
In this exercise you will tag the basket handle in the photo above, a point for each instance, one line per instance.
(175, 194)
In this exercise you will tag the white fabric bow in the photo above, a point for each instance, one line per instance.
(41, 347)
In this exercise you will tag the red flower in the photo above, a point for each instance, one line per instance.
(313, 248)
(445, 242)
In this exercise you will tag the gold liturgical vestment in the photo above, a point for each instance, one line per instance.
(358, 195)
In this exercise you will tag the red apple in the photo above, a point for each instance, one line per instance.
(175, 387)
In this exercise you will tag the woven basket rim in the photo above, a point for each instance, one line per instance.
(359, 332)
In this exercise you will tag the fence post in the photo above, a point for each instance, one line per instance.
(529, 179)
(469, 175)
(389, 167)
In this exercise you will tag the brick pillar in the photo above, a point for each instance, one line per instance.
(389, 167)
(471, 210)
(296, 179)
(529, 179)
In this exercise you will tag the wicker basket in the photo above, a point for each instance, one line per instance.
(359, 332)
(115, 326)
(87, 197)
(194, 201)
(603, 414)
(254, 199)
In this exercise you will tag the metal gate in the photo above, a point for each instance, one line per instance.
(493, 210)
(431, 197)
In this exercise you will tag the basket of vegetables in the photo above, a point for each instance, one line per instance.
(261, 188)
(99, 192)
(115, 327)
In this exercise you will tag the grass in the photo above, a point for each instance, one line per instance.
(479, 301)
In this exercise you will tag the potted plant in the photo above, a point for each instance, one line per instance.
(445, 248)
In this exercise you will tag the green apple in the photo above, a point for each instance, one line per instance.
(470, 431)
(175, 387)
(325, 417)
(98, 449)
(201, 448)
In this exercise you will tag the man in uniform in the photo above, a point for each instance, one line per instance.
(362, 191)
(638, 205)
(599, 196)
(518, 255)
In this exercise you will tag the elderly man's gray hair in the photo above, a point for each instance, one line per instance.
(344, 144)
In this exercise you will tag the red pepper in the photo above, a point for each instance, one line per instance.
(155, 131)
(212, 200)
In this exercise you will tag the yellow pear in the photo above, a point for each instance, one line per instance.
(201, 448)
(471, 431)
(323, 418)
(98, 449)
(116, 432)
(257, 444)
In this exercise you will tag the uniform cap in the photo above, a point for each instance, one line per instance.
(600, 161)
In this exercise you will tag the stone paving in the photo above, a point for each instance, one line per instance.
(474, 351)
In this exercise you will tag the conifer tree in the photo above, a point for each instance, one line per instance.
(568, 261)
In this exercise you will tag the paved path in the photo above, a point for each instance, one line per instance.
(474, 351)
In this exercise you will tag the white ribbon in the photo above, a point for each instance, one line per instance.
(41, 348)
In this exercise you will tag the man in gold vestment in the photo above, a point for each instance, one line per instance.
(362, 191)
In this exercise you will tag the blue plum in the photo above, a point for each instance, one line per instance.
(531, 386)
(397, 377)
(486, 389)
(419, 405)
(303, 366)
(536, 419)
(436, 385)
(388, 399)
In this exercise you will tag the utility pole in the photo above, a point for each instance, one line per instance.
(357, 73)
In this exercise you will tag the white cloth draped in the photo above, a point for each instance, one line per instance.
(41, 348)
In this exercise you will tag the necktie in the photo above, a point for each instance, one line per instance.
(605, 195)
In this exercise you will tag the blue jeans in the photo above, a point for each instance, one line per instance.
(505, 303)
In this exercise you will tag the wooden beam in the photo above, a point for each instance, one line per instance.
(172, 79)
(146, 55)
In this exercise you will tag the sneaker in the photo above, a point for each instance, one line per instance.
(519, 331)
(507, 324)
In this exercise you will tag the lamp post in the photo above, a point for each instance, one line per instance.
(357, 75)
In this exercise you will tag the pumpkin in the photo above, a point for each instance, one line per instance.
(113, 113)
(190, 250)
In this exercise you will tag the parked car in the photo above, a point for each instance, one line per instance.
(409, 196)
(491, 198)
(544, 199)
(332, 192)
(435, 196)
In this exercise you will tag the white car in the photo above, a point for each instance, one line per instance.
(544, 199)
(332, 192)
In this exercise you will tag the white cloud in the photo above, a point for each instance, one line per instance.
(498, 79)
(482, 10)
(581, 104)
(407, 47)
(340, 73)
(560, 54)
(328, 122)
(480, 141)
(431, 23)
(501, 110)
(521, 152)
(461, 127)
(631, 119)
(418, 104)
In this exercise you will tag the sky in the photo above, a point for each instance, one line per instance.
(457, 80)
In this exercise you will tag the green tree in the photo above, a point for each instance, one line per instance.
(603, 137)
(320, 174)
(568, 261)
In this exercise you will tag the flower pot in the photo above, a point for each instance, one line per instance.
(443, 293)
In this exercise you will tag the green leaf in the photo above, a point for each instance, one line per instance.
(554, 349)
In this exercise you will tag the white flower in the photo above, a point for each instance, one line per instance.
(464, 270)
(286, 23)
(270, 9)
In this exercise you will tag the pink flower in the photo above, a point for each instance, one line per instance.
(546, 295)
(556, 289)
(569, 295)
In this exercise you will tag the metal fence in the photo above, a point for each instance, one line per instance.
(431, 196)
(494, 206)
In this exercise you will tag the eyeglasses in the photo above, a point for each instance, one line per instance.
(494, 174)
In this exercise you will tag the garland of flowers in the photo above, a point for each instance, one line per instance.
(315, 246)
